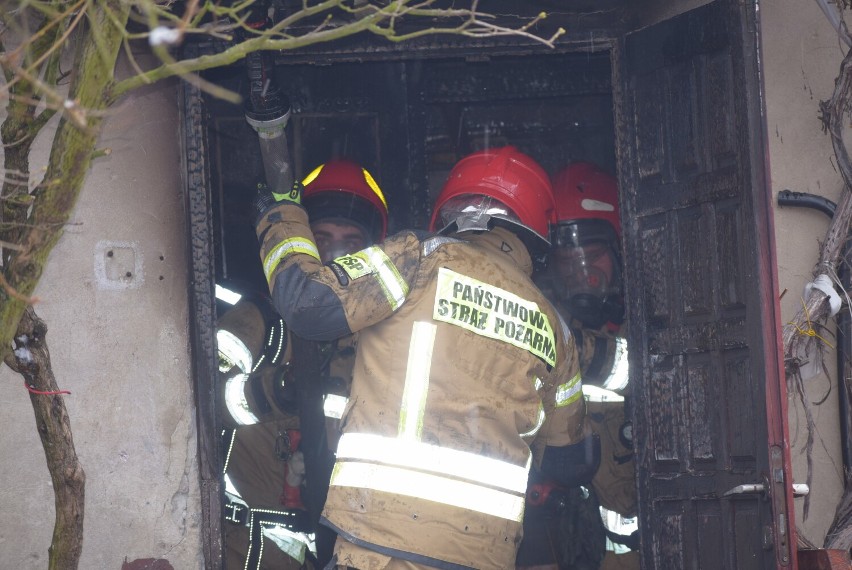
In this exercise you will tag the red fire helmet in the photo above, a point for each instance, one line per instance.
(519, 189)
(585, 192)
(342, 189)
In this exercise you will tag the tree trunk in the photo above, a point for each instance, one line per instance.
(70, 158)
(31, 359)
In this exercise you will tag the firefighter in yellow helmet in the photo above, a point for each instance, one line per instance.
(464, 377)
(583, 279)
(282, 395)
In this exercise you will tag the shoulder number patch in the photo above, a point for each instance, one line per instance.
(374, 261)
(355, 265)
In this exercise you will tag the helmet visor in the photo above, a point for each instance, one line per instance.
(581, 232)
(474, 212)
(345, 207)
(335, 237)
(591, 269)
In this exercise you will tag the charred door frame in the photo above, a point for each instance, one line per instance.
(776, 400)
(199, 216)
(202, 300)
(202, 306)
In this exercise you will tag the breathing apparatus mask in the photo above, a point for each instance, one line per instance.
(585, 271)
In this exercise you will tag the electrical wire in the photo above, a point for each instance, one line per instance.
(836, 21)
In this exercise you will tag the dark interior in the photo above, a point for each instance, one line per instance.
(407, 122)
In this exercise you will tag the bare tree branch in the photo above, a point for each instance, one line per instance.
(377, 20)
(817, 307)
(31, 360)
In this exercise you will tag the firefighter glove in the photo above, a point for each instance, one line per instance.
(266, 199)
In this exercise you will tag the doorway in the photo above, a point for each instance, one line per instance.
(408, 122)
(673, 108)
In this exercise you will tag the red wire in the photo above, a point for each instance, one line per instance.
(44, 393)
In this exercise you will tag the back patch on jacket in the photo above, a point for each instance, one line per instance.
(493, 312)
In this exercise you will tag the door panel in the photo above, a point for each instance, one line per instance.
(701, 296)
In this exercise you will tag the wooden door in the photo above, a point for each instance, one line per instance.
(710, 425)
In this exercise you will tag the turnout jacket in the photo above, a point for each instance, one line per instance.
(461, 365)
(603, 358)
(259, 409)
(603, 361)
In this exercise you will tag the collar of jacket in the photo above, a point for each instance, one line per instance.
(503, 241)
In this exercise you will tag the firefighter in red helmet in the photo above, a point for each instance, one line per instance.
(283, 397)
(465, 375)
(343, 191)
(585, 260)
(584, 279)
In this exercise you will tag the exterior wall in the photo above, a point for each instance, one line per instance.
(120, 345)
(801, 55)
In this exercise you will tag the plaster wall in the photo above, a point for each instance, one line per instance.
(114, 297)
(801, 58)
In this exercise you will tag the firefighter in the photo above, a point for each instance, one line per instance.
(584, 279)
(585, 270)
(279, 450)
(464, 373)
(260, 532)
